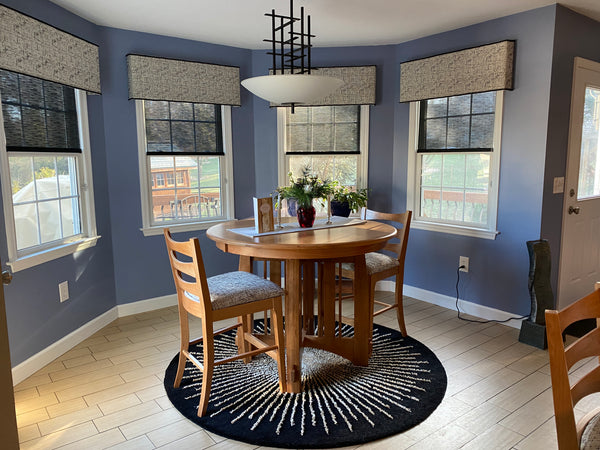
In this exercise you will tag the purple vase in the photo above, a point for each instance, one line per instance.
(306, 216)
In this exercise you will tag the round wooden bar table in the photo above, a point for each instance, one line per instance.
(300, 250)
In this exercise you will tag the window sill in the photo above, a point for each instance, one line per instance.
(181, 228)
(34, 259)
(454, 229)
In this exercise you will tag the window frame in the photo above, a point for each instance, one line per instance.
(362, 165)
(39, 254)
(145, 177)
(413, 189)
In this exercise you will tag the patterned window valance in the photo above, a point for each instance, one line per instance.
(34, 48)
(479, 69)
(358, 88)
(152, 78)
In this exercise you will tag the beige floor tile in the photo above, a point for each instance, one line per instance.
(496, 438)
(123, 417)
(520, 393)
(60, 438)
(26, 394)
(119, 403)
(140, 443)
(482, 418)
(173, 432)
(543, 437)
(88, 388)
(198, 440)
(89, 377)
(132, 355)
(69, 406)
(68, 420)
(489, 387)
(532, 415)
(32, 417)
(151, 393)
(398, 442)
(29, 432)
(37, 379)
(74, 362)
(79, 370)
(100, 440)
(120, 390)
(150, 423)
(447, 438)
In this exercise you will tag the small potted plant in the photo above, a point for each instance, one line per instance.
(303, 190)
(345, 200)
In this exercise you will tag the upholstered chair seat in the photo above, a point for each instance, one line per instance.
(376, 262)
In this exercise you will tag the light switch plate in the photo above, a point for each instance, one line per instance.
(559, 185)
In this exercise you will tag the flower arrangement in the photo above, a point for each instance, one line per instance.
(354, 199)
(306, 188)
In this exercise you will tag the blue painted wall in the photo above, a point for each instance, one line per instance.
(498, 268)
(36, 318)
(125, 266)
(141, 268)
(575, 35)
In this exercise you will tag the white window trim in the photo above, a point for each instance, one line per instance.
(363, 160)
(145, 183)
(413, 188)
(18, 261)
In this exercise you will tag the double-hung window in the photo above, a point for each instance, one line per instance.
(185, 164)
(454, 159)
(331, 140)
(46, 170)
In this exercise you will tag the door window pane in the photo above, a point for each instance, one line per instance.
(589, 165)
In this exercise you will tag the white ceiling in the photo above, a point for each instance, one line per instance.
(241, 23)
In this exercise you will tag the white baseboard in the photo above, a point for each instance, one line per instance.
(141, 306)
(52, 352)
(63, 345)
(467, 307)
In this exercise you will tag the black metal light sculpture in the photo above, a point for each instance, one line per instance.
(292, 80)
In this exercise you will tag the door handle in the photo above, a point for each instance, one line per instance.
(573, 210)
(6, 277)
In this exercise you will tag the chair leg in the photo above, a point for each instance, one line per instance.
(184, 335)
(243, 345)
(208, 343)
(400, 307)
(277, 330)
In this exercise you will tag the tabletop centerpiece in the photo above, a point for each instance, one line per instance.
(303, 190)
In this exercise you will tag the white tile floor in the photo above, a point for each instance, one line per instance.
(107, 392)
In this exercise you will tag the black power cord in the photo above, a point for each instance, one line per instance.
(479, 321)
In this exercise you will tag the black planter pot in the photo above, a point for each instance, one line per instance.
(341, 209)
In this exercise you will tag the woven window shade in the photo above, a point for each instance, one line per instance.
(34, 48)
(479, 69)
(358, 88)
(175, 80)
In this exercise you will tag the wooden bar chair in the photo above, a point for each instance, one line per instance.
(585, 433)
(381, 266)
(234, 294)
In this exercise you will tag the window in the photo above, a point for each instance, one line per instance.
(332, 140)
(185, 164)
(45, 168)
(454, 163)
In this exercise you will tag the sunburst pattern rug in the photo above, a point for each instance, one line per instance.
(341, 405)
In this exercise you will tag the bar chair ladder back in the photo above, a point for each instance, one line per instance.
(381, 266)
(584, 433)
(225, 296)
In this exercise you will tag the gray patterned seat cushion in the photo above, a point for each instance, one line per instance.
(376, 262)
(237, 288)
(590, 439)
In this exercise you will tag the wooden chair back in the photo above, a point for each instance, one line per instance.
(402, 219)
(189, 275)
(565, 394)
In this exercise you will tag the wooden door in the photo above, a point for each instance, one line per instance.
(8, 421)
(580, 246)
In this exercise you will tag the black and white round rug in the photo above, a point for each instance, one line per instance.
(341, 405)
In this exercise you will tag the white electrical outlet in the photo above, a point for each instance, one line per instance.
(63, 290)
(463, 261)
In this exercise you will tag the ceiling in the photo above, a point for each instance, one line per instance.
(241, 23)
